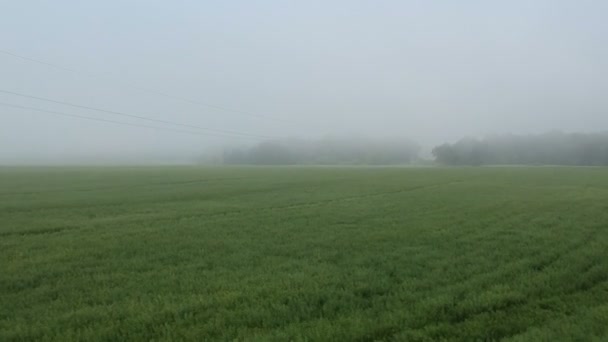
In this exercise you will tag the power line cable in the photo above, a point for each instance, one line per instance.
(109, 121)
(156, 92)
(41, 62)
(132, 115)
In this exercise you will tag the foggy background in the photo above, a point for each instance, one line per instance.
(428, 71)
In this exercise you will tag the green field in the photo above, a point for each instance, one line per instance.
(341, 254)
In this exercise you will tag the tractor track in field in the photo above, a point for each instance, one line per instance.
(257, 210)
(132, 186)
(451, 313)
(298, 205)
(319, 203)
(38, 231)
(357, 197)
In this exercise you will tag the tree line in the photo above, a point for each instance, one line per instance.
(330, 151)
(554, 148)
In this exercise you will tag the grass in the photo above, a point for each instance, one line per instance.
(361, 254)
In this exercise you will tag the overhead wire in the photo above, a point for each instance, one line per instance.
(132, 115)
(156, 92)
(109, 121)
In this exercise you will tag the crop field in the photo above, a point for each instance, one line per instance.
(290, 253)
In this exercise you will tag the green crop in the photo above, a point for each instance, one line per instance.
(340, 254)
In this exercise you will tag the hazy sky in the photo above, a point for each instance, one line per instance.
(431, 71)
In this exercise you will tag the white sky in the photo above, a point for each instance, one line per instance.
(432, 71)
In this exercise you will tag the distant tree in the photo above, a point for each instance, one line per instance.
(553, 148)
(326, 151)
(235, 156)
(445, 154)
(271, 153)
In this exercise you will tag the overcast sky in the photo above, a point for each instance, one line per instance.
(432, 71)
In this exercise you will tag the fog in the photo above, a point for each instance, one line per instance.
(426, 71)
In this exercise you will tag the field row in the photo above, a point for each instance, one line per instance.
(304, 254)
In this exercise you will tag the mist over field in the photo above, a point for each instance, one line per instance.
(209, 77)
(268, 170)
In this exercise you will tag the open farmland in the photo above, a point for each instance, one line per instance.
(407, 254)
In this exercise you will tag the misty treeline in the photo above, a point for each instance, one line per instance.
(554, 148)
(346, 151)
